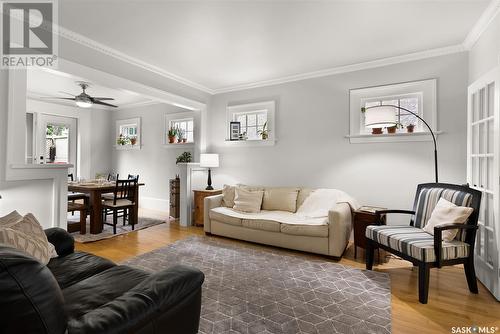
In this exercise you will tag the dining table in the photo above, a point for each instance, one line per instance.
(95, 190)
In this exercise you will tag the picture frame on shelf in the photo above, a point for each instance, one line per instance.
(234, 130)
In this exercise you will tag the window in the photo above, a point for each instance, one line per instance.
(128, 133)
(256, 121)
(187, 127)
(404, 118)
(418, 96)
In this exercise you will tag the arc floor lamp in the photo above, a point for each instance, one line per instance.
(384, 116)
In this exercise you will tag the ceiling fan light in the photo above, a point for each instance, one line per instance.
(83, 104)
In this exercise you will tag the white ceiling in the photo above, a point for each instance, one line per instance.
(220, 44)
(49, 83)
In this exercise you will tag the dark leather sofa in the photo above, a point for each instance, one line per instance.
(83, 293)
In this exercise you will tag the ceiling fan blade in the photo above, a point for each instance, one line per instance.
(57, 98)
(103, 98)
(103, 103)
(67, 93)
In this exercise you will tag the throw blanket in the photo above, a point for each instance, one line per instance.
(320, 201)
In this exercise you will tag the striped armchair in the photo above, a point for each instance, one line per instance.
(424, 250)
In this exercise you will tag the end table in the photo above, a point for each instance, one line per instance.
(199, 200)
(361, 220)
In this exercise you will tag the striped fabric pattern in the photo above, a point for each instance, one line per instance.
(415, 242)
(428, 199)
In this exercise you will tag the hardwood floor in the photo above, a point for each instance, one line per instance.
(450, 303)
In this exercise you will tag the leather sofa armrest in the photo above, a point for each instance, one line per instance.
(209, 203)
(146, 303)
(339, 229)
(63, 242)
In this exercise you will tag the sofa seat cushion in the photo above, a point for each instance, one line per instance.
(75, 267)
(415, 242)
(262, 224)
(305, 230)
(93, 292)
(226, 215)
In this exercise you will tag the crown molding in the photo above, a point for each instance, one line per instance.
(349, 68)
(92, 44)
(482, 24)
(138, 104)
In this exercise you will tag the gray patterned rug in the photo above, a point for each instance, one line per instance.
(257, 289)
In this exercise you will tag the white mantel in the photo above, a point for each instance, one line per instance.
(189, 174)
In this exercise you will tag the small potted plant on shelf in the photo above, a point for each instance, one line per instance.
(264, 133)
(392, 129)
(122, 140)
(180, 134)
(184, 157)
(133, 140)
(410, 128)
(172, 132)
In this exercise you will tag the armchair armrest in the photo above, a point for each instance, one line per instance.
(155, 301)
(378, 213)
(209, 203)
(438, 238)
(63, 242)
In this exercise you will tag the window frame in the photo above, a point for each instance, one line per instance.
(171, 122)
(425, 89)
(170, 118)
(269, 107)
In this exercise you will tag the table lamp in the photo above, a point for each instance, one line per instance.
(209, 160)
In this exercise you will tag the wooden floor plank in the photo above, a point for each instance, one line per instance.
(450, 302)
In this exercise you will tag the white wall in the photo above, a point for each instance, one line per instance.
(485, 54)
(154, 162)
(312, 119)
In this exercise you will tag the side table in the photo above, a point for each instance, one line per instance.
(199, 200)
(361, 220)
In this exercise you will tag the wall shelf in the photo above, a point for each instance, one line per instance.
(127, 147)
(247, 143)
(179, 145)
(393, 137)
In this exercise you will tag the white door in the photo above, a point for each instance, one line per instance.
(56, 140)
(483, 143)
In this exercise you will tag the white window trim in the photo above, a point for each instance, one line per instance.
(268, 106)
(358, 97)
(182, 116)
(131, 121)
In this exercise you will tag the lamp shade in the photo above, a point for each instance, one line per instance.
(380, 117)
(209, 160)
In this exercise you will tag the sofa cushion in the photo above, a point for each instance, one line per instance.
(305, 230)
(92, 292)
(248, 201)
(228, 196)
(225, 215)
(262, 224)
(9, 219)
(281, 199)
(74, 267)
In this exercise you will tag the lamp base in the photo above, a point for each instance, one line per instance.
(209, 188)
(209, 181)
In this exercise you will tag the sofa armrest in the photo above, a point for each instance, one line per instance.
(63, 242)
(340, 226)
(210, 202)
(148, 303)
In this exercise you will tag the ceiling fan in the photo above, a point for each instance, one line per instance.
(84, 100)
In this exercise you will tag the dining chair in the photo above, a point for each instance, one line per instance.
(75, 196)
(110, 196)
(423, 249)
(123, 202)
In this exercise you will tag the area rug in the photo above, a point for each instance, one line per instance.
(107, 232)
(258, 289)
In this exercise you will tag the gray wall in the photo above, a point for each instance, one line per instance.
(102, 133)
(485, 54)
(154, 163)
(312, 119)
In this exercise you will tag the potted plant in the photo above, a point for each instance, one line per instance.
(180, 134)
(410, 128)
(172, 132)
(122, 140)
(264, 133)
(392, 129)
(133, 140)
(184, 157)
(377, 131)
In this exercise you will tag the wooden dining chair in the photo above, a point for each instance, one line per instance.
(75, 196)
(122, 203)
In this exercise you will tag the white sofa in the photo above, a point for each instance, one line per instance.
(328, 235)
